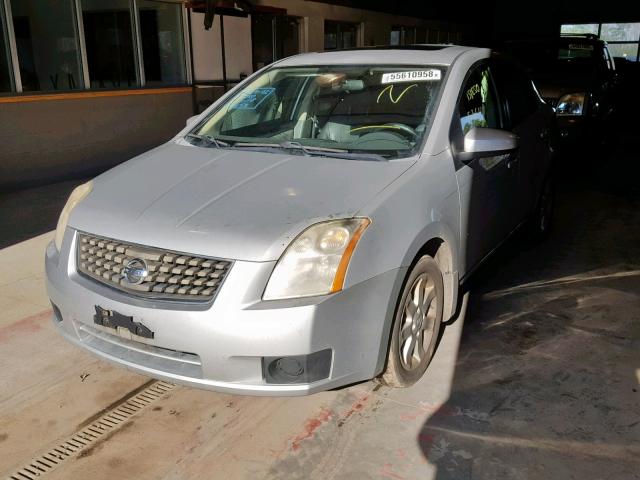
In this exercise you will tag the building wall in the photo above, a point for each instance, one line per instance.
(207, 49)
(81, 134)
(375, 29)
(375, 26)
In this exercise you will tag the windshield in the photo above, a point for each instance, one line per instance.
(376, 110)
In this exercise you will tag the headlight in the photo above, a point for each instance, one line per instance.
(316, 262)
(571, 104)
(78, 194)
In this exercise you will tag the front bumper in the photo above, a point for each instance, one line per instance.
(221, 345)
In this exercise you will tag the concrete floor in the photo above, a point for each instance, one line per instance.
(538, 380)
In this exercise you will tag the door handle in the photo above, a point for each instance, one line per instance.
(512, 161)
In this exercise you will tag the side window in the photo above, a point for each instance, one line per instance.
(478, 105)
(521, 97)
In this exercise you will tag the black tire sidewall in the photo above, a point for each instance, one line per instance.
(548, 193)
(535, 223)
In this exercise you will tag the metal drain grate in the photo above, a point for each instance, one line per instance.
(106, 423)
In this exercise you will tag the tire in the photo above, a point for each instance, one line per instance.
(405, 364)
(541, 221)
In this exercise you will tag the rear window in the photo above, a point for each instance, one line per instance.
(575, 50)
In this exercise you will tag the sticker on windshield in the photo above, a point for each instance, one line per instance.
(580, 46)
(253, 100)
(430, 75)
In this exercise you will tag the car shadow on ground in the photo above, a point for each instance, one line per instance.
(546, 380)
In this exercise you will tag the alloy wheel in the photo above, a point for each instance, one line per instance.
(418, 322)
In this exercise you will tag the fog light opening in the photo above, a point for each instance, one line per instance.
(298, 369)
(289, 367)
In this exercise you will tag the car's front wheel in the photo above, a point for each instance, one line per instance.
(416, 325)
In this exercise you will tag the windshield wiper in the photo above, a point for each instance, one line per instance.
(355, 156)
(210, 139)
(307, 150)
(313, 151)
(310, 150)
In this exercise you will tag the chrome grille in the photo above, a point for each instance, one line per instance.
(170, 275)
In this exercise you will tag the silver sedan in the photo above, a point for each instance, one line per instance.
(310, 229)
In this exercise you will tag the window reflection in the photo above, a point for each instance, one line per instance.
(5, 73)
(274, 37)
(48, 52)
(162, 43)
(340, 35)
(109, 43)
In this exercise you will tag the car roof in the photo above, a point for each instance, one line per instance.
(385, 55)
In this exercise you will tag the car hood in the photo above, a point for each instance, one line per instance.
(554, 85)
(231, 204)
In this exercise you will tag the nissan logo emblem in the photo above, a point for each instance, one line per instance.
(135, 271)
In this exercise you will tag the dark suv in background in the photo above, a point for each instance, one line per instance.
(576, 75)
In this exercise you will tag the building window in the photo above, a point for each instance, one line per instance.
(407, 35)
(48, 51)
(442, 37)
(623, 38)
(340, 35)
(628, 51)
(162, 43)
(395, 36)
(110, 43)
(582, 28)
(5, 65)
(62, 45)
(274, 37)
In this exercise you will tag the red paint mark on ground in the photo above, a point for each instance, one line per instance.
(25, 326)
(311, 425)
(426, 442)
(385, 471)
(448, 411)
(425, 438)
(276, 453)
(358, 405)
(315, 422)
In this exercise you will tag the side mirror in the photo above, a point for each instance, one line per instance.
(487, 142)
(191, 120)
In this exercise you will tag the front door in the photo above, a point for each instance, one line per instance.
(487, 185)
(527, 119)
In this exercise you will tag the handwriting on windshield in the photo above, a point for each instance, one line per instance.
(389, 89)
